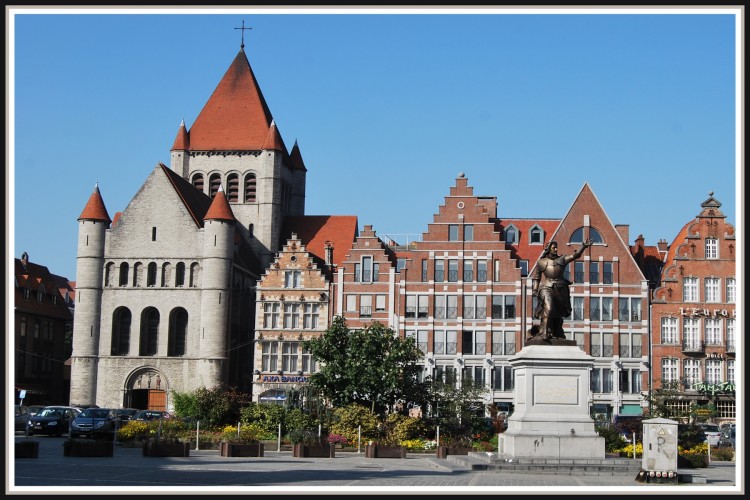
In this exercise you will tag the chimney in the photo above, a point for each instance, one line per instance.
(662, 245)
(24, 259)
(624, 231)
(329, 253)
(640, 241)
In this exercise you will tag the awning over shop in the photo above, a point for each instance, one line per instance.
(631, 410)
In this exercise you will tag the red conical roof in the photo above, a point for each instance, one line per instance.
(273, 139)
(182, 141)
(95, 209)
(219, 209)
(296, 158)
(236, 116)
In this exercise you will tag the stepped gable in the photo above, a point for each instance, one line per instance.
(315, 231)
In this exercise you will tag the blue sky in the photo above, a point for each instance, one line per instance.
(387, 109)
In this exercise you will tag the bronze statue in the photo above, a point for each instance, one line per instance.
(549, 285)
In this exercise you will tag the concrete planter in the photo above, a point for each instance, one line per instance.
(381, 451)
(323, 451)
(162, 449)
(87, 448)
(444, 451)
(241, 450)
(27, 449)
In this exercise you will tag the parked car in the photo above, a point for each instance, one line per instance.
(146, 415)
(125, 414)
(97, 423)
(52, 420)
(34, 409)
(728, 437)
(22, 417)
(713, 433)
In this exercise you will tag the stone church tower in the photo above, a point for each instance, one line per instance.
(165, 296)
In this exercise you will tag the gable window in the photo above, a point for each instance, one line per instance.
(577, 236)
(271, 315)
(712, 248)
(452, 232)
(292, 279)
(310, 315)
(365, 306)
(400, 264)
(511, 235)
(578, 274)
(524, 265)
(607, 275)
(439, 270)
(594, 236)
(690, 290)
(468, 232)
(536, 236)
(594, 272)
(711, 288)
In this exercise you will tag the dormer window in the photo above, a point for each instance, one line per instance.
(511, 235)
(536, 236)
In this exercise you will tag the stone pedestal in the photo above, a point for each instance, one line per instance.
(551, 406)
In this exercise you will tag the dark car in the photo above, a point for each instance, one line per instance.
(22, 417)
(34, 409)
(52, 420)
(97, 423)
(728, 437)
(125, 414)
(147, 415)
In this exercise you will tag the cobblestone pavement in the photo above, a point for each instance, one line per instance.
(204, 471)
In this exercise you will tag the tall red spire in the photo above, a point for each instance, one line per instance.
(236, 116)
(95, 209)
(296, 158)
(273, 139)
(182, 141)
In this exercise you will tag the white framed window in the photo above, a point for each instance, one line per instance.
(365, 306)
(690, 289)
(731, 345)
(730, 371)
(468, 232)
(481, 270)
(452, 232)
(351, 303)
(292, 279)
(712, 248)
(601, 380)
(367, 271)
(502, 378)
(511, 235)
(270, 356)
(731, 290)
(310, 315)
(444, 342)
(308, 361)
(452, 270)
(503, 306)
(691, 373)
(711, 288)
(713, 371)
(379, 303)
(691, 335)
(629, 309)
(669, 373)
(668, 330)
(601, 309)
(578, 308)
(475, 307)
(536, 235)
(473, 342)
(713, 331)
(289, 355)
(291, 314)
(271, 315)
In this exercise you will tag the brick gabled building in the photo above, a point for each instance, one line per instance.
(693, 316)
(41, 319)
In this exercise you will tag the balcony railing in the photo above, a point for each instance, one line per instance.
(695, 346)
(607, 278)
(510, 348)
(440, 312)
(731, 347)
(422, 312)
(411, 312)
(422, 347)
(452, 313)
(481, 276)
(497, 348)
(439, 275)
(450, 348)
(365, 311)
(439, 347)
(452, 276)
(468, 275)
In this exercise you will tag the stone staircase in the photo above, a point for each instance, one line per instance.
(590, 466)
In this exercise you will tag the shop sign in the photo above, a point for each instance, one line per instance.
(708, 313)
(721, 388)
(287, 379)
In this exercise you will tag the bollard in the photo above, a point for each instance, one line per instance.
(197, 434)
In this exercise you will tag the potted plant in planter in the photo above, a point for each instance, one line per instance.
(454, 446)
(170, 439)
(28, 448)
(306, 443)
(242, 441)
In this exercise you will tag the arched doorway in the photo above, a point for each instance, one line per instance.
(146, 389)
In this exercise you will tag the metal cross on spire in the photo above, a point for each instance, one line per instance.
(242, 45)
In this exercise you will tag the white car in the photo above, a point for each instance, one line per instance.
(713, 433)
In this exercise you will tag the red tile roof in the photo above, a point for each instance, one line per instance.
(219, 209)
(182, 141)
(33, 277)
(273, 140)
(315, 230)
(524, 250)
(236, 116)
(95, 209)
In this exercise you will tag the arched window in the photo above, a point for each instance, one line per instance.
(195, 275)
(198, 182)
(109, 272)
(178, 320)
(511, 235)
(179, 278)
(536, 235)
(151, 278)
(121, 320)
(124, 274)
(166, 274)
(149, 332)
(250, 188)
(138, 274)
(578, 235)
(213, 184)
(233, 188)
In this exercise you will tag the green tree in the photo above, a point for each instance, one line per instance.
(458, 409)
(372, 366)
(662, 403)
(266, 416)
(212, 407)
